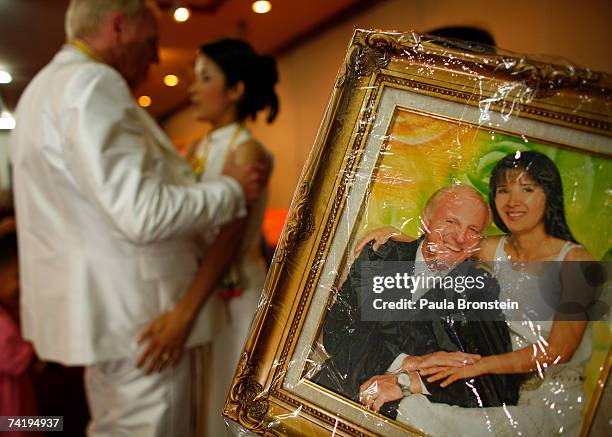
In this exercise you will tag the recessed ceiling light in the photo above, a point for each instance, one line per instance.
(171, 80)
(144, 101)
(5, 77)
(261, 6)
(181, 14)
(7, 121)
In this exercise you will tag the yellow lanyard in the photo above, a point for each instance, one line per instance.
(198, 163)
(84, 48)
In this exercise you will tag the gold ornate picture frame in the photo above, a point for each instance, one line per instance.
(395, 93)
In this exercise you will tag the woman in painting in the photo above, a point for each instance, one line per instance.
(232, 83)
(526, 199)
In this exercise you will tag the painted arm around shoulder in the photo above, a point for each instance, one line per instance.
(380, 236)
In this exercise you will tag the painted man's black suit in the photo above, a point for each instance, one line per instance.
(361, 349)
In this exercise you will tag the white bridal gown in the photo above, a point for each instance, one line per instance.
(232, 317)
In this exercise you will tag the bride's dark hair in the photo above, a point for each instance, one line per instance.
(542, 170)
(239, 62)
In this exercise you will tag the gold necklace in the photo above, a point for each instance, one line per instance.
(84, 48)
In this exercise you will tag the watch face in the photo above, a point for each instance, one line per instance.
(403, 380)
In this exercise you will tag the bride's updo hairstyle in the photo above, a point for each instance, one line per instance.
(239, 62)
(545, 173)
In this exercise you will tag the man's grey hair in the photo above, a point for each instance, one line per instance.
(84, 17)
(461, 191)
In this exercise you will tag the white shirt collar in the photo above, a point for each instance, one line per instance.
(223, 133)
(419, 253)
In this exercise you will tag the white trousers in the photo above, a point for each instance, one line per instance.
(124, 402)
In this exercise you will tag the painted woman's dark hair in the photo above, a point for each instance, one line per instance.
(542, 170)
(239, 62)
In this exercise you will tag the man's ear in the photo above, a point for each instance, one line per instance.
(425, 222)
(118, 22)
(236, 91)
(424, 218)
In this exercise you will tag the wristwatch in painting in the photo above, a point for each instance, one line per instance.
(403, 379)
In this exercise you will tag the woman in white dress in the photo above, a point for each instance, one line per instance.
(527, 203)
(232, 83)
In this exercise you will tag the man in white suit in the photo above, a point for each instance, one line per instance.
(107, 211)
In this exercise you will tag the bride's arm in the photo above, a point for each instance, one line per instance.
(213, 268)
(558, 348)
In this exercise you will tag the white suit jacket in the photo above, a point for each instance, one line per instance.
(106, 212)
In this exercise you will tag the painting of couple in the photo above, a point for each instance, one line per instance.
(491, 208)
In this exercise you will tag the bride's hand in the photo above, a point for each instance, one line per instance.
(380, 236)
(166, 336)
(451, 374)
(440, 359)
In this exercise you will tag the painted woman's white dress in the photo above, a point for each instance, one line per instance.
(549, 404)
(231, 318)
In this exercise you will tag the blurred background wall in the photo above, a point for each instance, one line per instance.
(578, 31)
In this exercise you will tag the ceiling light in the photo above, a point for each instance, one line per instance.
(181, 14)
(7, 121)
(171, 80)
(5, 77)
(144, 101)
(261, 6)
